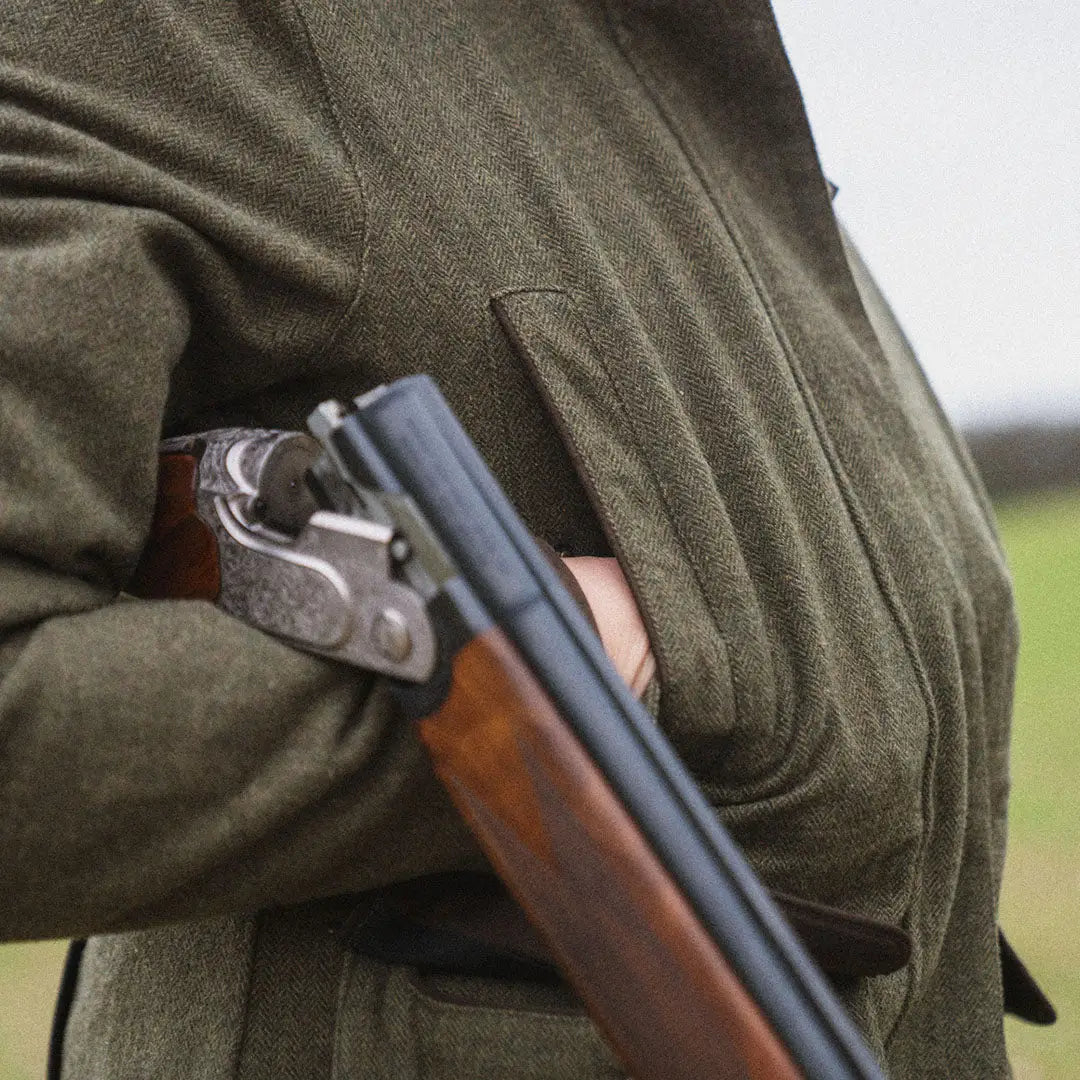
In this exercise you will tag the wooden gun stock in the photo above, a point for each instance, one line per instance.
(618, 925)
(181, 559)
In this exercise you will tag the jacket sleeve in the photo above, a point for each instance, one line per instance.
(178, 228)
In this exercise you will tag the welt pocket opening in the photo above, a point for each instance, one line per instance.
(550, 334)
(549, 998)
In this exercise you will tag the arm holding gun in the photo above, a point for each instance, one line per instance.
(384, 542)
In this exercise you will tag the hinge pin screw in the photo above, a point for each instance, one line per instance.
(391, 635)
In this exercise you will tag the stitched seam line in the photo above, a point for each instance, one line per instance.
(242, 1033)
(350, 153)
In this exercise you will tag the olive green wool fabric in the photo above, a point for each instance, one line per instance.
(601, 225)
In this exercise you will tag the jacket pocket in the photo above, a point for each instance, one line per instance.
(394, 1024)
(609, 421)
(784, 682)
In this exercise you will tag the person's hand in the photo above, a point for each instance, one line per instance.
(617, 618)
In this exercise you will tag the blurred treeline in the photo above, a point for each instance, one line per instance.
(1026, 458)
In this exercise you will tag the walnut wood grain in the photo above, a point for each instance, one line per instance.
(180, 560)
(626, 937)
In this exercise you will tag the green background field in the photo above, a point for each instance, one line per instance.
(1042, 879)
(1041, 897)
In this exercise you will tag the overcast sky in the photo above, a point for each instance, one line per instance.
(953, 131)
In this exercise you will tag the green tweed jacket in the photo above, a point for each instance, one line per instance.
(601, 225)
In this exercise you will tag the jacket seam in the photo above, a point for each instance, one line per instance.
(351, 156)
(242, 1032)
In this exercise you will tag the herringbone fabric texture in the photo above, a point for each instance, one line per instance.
(602, 227)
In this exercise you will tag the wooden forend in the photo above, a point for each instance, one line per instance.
(628, 940)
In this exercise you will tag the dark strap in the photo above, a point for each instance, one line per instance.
(65, 997)
(846, 946)
(1023, 995)
(468, 924)
(459, 923)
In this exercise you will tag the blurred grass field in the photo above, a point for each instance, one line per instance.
(1041, 898)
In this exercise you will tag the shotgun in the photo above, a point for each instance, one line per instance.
(382, 540)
